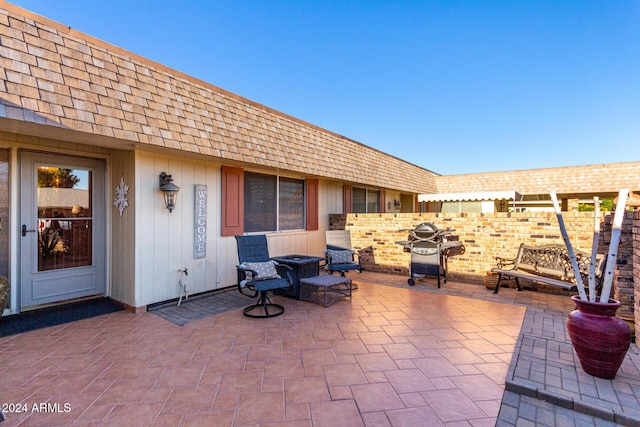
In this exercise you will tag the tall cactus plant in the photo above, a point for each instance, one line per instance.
(613, 247)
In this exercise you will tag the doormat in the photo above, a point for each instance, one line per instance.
(200, 306)
(52, 316)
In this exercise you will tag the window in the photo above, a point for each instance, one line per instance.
(64, 218)
(291, 204)
(254, 202)
(260, 202)
(373, 201)
(359, 200)
(461, 206)
(366, 201)
(273, 203)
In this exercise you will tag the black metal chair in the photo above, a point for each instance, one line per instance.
(259, 275)
(339, 255)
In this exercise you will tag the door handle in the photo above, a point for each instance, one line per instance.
(25, 231)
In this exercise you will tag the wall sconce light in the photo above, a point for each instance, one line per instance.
(169, 190)
(396, 203)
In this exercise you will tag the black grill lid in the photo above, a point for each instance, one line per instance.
(424, 230)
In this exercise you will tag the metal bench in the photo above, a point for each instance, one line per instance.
(548, 264)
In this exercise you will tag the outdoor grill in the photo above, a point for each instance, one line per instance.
(430, 247)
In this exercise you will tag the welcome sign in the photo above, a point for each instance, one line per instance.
(200, 222)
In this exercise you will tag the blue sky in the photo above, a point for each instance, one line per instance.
(452, 86)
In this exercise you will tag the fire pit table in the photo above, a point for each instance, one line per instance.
(325, 289)
(302, 266)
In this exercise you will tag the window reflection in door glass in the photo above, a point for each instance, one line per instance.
(64, 218)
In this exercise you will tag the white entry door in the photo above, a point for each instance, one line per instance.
(62, 243)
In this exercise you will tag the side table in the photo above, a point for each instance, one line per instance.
(325, 289)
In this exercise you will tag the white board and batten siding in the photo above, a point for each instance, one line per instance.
(165, 241)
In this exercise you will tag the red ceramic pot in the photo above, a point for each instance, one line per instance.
(600, 339)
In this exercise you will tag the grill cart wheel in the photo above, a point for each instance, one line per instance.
(411, 282)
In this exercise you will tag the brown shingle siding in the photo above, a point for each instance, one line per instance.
(18, 55)
(50, 36)
(12, 43)
(584, 179)
(25, 26)
(40, 42)
(175, 110)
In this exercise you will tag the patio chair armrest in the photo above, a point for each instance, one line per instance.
(246, 284)
(246, 270)
(283, 269)
(505, 262)
(248, 290)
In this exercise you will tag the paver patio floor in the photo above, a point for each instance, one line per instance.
(390, 356)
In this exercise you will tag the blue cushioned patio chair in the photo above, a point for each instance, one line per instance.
(339, 255)
(258, 275)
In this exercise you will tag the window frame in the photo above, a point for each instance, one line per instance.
(367, 193)
(233, 209)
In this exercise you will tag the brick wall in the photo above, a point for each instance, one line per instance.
(486, 236)
(636, 264)
(623, 275)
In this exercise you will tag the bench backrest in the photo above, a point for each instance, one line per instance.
(553, 260)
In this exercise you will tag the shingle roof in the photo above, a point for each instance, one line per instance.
(56, 76)
(601, 178)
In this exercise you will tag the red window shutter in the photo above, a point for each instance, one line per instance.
(232, 201)
(347, 204)
(383, 201)
(312, 204)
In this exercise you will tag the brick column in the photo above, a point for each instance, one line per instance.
(636, 265)
(337, 221)
(573, 205)
(623, 273)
